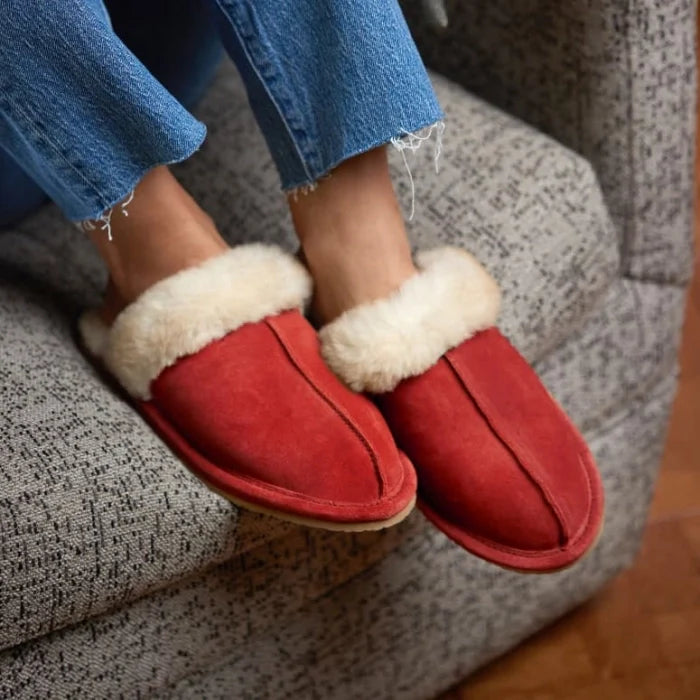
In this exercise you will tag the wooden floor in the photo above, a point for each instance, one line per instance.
(639, 639)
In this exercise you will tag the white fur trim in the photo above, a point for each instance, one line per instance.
(182, 314)
(374, 346)
(93, 332)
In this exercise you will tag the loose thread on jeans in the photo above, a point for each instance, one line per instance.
(302, 190)
(412, 141)
(105, 219)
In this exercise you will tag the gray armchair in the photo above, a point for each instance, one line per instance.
(567, 169)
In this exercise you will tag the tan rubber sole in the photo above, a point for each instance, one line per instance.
(371, 525)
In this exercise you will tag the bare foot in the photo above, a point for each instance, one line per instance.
(352, 235)
(165, 232)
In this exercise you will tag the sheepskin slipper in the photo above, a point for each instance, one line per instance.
(501, 468)
(221, 363)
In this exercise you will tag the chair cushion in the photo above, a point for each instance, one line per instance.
(94, 509)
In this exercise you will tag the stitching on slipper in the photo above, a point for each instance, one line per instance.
(256, 483)
(545, 552)
(453, 363)
(384, 492)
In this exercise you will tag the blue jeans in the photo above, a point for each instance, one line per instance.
(93, 94)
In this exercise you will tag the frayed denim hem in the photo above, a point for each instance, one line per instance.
(102, 218)
(404, 141)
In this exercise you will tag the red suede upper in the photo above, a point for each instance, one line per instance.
(258, 414)
(501, 468)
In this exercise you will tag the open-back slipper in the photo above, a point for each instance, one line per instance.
(501, 468)
(222, 364)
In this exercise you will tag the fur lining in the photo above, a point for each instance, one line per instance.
(182, 314)
(374, 346)
(93, 332)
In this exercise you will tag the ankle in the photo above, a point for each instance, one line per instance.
(347, 274)
(162, 253)
(112, 303)
(353, 236)
(165, 232)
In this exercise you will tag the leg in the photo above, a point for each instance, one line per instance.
(111, 122)
(79, 112)
(177, 41)
(19, 194)
(355, 253)
(330, 82)
(165, 232)
(327, 79)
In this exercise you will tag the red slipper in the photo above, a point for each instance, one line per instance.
(501, 469)
(227, 371)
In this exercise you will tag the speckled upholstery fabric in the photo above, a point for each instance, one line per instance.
(615, 81)
(121, 576)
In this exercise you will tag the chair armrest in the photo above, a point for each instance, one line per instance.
(613, 80)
